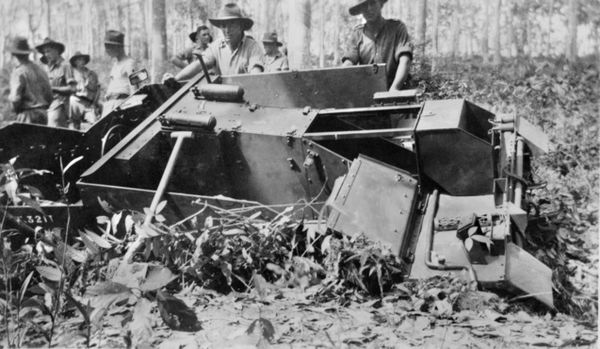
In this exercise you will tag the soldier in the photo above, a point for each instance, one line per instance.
(274, 59)
(83, 102)
(201, 38)
(380, 40)
(118, 87)
(30, 91)
(235, 53)
(61, 78)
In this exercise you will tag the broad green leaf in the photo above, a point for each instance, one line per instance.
(35, 303)
(161, 206)
(116, 218)
(91, 246)
(71, 163)
(129, 222)
(98, 240)
(105, 206)
(50, 273)
(157, 278)
(106, 288)
(469, 243)
(24, 287)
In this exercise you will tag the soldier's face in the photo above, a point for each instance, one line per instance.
(270, 49)
(372, 10)
(232, 31)
(51, 53)
(79, 62)
(110, 50)
(203, 37)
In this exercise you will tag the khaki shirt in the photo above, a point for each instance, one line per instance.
(278, 62)
(29, 87)
(246, 56)
(60, 74)
(387, 46)
(87, 83)
(119, 77)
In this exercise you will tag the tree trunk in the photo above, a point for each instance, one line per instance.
(485, 33)
(421, 27)
(128, 31)
(435, 27)
(510, 26)
(435, 35)
(321, 34)
(572, 34)
(496, 32)
(144, 10)
(88, 34)
(299, 33)
(548, 43)
(47, 11)
(455, 28)
(159, 40)
(336, 33)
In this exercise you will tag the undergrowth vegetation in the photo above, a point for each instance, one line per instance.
(55, 281)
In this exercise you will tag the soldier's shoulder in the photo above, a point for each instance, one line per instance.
(395, 23)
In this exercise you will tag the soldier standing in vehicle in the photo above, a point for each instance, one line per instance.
(83, 102)
(119, 87)
(274, 59)
(201, 38)
(380, 40)
(62, 82)
(235, 53)
(30, 91)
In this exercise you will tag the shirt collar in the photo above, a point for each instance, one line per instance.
(224, 43)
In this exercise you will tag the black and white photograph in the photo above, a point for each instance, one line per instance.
(340, 174)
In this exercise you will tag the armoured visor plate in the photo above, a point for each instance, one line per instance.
(374, 199)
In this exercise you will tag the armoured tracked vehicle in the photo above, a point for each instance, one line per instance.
(442, 182)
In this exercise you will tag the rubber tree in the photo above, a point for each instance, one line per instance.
(159, 40)
(299, 33)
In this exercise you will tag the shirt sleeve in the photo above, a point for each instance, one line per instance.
(17, 88)
(351, 52)
(403, 43)
(256, 57)
(68, 73)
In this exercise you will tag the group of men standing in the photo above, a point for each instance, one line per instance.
(378, 40)
(65, 94)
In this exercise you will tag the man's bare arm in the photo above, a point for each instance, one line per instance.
(189, 71)
(401, 73)
(178, 62)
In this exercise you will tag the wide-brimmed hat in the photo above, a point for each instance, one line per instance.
(77, 55)
(231, 12)
(51, 43)
(359, 8)
(271, 38)
(19, 46)
(192, 35)
(114, 37)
